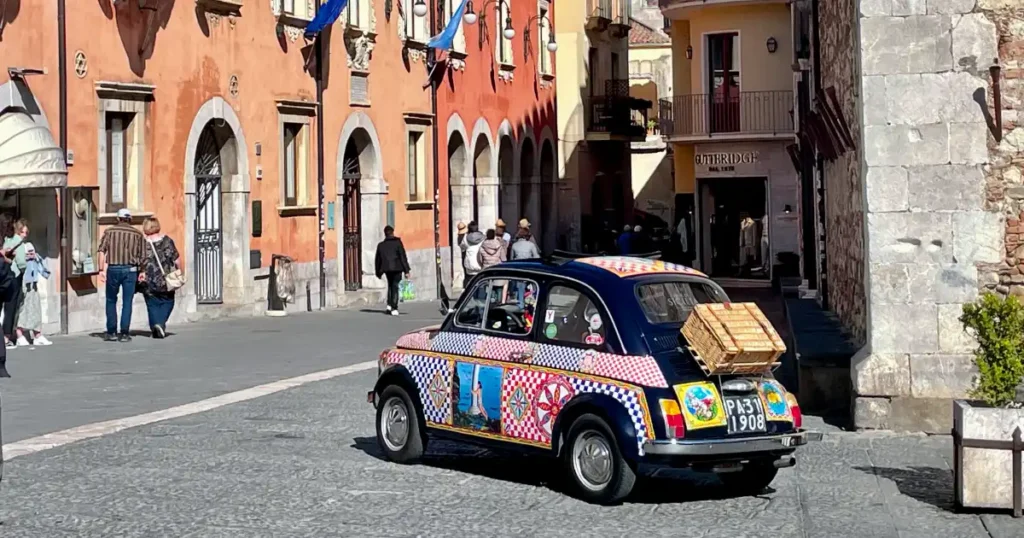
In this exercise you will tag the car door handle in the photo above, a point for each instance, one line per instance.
(519, 356)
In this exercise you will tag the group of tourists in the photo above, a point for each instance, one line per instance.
(481, 250)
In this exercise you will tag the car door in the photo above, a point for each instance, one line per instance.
(492, 330)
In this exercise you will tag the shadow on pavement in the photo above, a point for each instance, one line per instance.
(133, 333)
(538, 471)
(926, 484)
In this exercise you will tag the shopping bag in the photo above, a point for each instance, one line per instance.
(406, 291)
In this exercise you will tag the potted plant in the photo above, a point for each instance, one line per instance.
(652, 126)
(984, 477)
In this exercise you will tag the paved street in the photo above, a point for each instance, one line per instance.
(303, 462)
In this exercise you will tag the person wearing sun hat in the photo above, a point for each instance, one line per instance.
(502, 231)
(525, 246)
(122, 254)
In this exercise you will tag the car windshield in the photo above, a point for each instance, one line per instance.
(672, 302)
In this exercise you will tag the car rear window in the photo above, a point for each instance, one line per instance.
(672, 302)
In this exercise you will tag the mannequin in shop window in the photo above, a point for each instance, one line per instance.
(764, 244)
(749, 242)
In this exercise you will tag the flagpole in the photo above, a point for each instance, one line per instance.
(319, 76)
(432, 62)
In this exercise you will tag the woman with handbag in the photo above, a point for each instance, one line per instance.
(162, 276)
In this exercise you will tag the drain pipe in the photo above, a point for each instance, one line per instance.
(65, 204)
(434, 82)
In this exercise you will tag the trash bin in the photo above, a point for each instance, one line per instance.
(281, 288)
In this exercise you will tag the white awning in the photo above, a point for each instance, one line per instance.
(29, 158)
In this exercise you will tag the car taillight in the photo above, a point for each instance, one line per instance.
(794, 409)
(674, 425)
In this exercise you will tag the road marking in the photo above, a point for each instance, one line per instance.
(99, 429)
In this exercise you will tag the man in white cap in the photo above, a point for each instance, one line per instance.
(122, 254)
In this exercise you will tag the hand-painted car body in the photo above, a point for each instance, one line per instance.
(531, 347)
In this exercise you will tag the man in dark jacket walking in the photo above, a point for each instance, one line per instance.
(392, 263)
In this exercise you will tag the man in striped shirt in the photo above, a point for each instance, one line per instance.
(122, 254)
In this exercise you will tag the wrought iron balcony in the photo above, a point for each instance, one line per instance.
(768, 113)
(616, 113)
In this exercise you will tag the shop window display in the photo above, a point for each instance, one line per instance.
(84, 229)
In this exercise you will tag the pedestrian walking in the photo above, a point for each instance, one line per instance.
(122, 256)
(625, 241)
(30, 313)
(492, 251)
(470, 246)
(15, 250)
(524, 247)
(7, 288)
(162, 276)
(391, 262)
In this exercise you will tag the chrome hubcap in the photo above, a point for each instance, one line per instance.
(395, 423)
(592, 460)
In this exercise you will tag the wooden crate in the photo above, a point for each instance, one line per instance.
(732, 338)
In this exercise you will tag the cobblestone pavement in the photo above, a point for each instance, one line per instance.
(304, 463)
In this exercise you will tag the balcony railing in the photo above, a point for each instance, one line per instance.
(708, 115)
(599, 9)
(615, 112)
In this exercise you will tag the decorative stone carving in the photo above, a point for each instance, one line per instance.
(458, 64)
(359, 50)
(293, 33)
(417, 55)
(506, 75)
(276, 7)
(546, 83)
(212, 19)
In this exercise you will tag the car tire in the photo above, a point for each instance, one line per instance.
(752, 480)
(398, 426)
(594, 464)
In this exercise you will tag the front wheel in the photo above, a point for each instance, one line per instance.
(752, 480)
(398, 426)
(595, 464)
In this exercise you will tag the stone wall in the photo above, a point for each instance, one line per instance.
(924, 68)
(1004, 188)
(844, 198)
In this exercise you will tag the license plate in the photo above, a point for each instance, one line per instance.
(745, 414)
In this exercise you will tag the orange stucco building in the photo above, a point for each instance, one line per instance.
(205, 115)
(496, 110)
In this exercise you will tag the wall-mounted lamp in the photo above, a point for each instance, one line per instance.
(689, 52)
(788, 209)
(471, 17)
(772, 45)
(419, 8)
(541, 22)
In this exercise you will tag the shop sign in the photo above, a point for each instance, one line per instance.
(725, 162)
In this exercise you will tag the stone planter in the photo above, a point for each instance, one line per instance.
(984, 477)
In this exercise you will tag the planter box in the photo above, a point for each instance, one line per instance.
(984, 477)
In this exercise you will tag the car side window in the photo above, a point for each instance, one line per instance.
(504, 305)
(570, 317)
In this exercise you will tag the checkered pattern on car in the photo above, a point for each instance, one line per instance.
(517, 416)
(455, 343)
(629, 398)
(560, 357)
(433, 376)
(642, 370)
(414, 340)
(500, 349)
(625, 266)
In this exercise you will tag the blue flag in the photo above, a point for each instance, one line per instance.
(329, 12)
(444, 40)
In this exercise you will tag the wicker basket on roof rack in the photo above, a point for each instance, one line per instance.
(732, 338)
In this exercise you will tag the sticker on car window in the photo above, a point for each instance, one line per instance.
(551, 331)
(595, 322)
(549, 316)
(593, 340)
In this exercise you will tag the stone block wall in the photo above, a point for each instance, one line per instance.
(844, 198)
(929, 224)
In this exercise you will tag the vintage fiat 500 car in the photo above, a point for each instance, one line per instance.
(584, 360)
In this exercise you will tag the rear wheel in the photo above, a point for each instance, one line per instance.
(752, 480)
(398, 426)
(594, 463)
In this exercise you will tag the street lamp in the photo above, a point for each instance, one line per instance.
(471, 17)
(541, 21)
(419, 8)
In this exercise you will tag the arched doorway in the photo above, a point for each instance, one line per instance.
(549, 198)
(461, 202)
(529, 194)
(352, 237)
(485, 196)
(508, 199)
(215, 161)
(362, 195)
